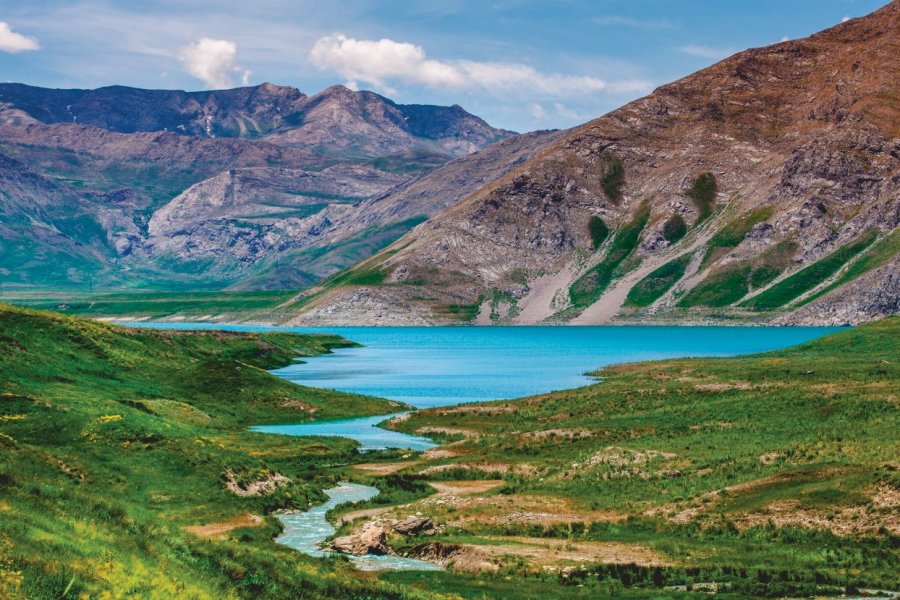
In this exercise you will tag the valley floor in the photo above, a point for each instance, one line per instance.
(127, 470)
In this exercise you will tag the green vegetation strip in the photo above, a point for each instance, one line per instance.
(589, 287)
(734, 233)
(809, 277)
(876, 256)
(657, 283)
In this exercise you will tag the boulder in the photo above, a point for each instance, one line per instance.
(413, 525)
(370, 540)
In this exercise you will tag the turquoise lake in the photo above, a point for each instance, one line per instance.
(440, 366)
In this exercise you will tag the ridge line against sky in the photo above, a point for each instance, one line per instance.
(520, 64)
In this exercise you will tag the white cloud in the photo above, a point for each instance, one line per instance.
(845, 19)
(10, 41)
(538, 111)
(384, 62)
(212, 62)
(703, 51)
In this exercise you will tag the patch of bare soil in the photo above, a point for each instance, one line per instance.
(221, 529)
(385, 468)
(465, 488)
(881, 512)
(443, 452)
(491, 468)
(298, 405)
(466, 433)
(264, 486)
(723, 387)
(489, 409)
(367, 513)
(567, 434)
(537, 553)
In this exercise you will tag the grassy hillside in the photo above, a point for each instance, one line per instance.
(771, 475)
(127, 470)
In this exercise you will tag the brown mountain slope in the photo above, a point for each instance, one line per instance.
(802, 141)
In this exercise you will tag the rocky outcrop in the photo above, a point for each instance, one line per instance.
(801, 139)
(414, 525)
(371, 539)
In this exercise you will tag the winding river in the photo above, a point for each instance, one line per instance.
(443, 366)
(305, 531)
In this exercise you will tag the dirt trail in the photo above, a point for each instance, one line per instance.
(611, 302)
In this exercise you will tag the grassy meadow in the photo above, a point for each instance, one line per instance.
(127, 470)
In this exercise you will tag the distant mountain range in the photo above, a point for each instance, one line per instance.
(765, 187)
(126, 187)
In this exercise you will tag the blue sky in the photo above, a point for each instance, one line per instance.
(520, 64)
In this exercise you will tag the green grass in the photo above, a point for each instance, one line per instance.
(703, 192)
(729, 284)
(151, 305)
(811, 429)
(734, 233)
(113, 440)
(809, 277)
(590, 286)
(877, 255)
(657, 283)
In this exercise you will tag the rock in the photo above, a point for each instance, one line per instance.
(414, 525)
(372, 539)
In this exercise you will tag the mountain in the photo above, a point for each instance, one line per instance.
(765, 187)
(334, 121)
(152, 170)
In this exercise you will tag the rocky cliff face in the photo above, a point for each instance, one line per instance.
(766, 186)
(227, 187)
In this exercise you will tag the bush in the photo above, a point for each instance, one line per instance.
(598, 230)
(674, 229)
(703, 192)
(613, 177)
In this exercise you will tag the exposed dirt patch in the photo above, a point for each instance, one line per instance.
(443, 452)
(489, 409)
(385, 468)
(263, 486)
(723, 387)
(298, 405)
(537, 552)
(883, 512)
(465, 488)
(221, 529)
(567, 434)
(491, 468)
(366, 513)
(466, 433)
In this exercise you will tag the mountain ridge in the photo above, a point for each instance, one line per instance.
(800, 144)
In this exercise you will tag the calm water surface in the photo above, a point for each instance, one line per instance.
(441, 366)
